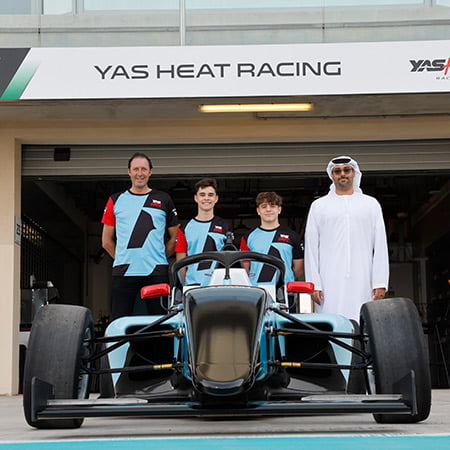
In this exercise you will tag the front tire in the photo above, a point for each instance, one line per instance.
(397, 345)
(57, 346)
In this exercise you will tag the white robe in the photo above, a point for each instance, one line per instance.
(346, 254)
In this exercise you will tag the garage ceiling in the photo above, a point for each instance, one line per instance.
(325, 106)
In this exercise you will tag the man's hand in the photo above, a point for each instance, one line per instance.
(170, 244)
(109, 240)
(378, 293)
(317, 297)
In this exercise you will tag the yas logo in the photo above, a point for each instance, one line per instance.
(430, 65)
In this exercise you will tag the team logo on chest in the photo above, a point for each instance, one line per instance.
(283, 238)
(155, 203)
(217, 229)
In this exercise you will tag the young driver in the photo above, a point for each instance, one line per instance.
(205, 232)
(271, 238)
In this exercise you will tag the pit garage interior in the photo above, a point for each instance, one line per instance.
(65, 188)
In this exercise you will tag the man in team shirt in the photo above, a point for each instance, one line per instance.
(271, 238)
(135, 223)
(205, 232)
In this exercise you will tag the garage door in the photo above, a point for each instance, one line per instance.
(235, 159)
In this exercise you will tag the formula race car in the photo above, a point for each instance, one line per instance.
(227, 347)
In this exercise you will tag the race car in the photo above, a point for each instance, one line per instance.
(227, 347)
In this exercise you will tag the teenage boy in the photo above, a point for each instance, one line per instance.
(205, 232)
(271, 238)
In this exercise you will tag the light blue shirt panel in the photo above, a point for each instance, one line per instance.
(259, 241)
(196, 233)
(142, 261)
(286, 255)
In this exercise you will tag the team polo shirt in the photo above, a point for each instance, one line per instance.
(281, 242)
(140, 222)
(196, 237)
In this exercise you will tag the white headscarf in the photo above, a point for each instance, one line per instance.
(351, 162)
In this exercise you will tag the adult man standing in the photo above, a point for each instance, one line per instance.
(135, 223)
(271, 238)
(346, 253)
(205, 232)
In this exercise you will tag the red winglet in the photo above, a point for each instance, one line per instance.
(300, 287)
(155, 290)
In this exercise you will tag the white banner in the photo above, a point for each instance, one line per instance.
(233, 71)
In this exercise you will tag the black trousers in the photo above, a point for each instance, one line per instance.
(126, 296)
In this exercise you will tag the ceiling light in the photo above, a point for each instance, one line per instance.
(259, 107)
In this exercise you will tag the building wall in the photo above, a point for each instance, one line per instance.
(10, 174)
(229, 26)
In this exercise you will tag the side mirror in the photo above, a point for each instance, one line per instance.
(299, 287)
(155, 290)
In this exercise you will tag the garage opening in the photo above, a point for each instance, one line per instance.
(64, 191)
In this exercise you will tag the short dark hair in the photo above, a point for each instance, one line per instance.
(140, 155)
(272, 198)
(206, 182)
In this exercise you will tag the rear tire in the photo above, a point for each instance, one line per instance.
(397, 345)
(55, 352)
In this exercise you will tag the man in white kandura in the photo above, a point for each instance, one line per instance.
(346, 254)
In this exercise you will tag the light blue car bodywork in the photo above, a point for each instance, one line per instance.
(267, 347)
